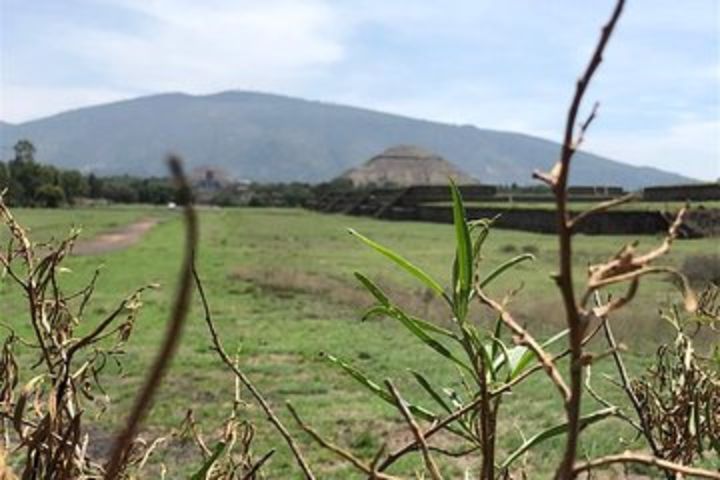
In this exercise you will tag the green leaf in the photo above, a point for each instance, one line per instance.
(505, 266)
(555, 431)
(431, 327)
(418, 330)
(402, 262)
(377, 389)
(464, 253)
(483, 224)
(496, 337)
(373, 289)
(375, 311)
(522, 356)
(217, 451)
(425, 384)
(499, 361)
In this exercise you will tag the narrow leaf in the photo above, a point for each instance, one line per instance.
(402, 262)
(419, 332)
(376, 389)
(373, 289)
(375, 311)
(521, 356)
(555, 431)
(205, 468)
(425, 384)
(464, 250)
(505, 266)
(431, 327)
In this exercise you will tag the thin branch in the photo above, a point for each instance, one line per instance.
(626, 386)
(648, 460)
(356, 462)
(524, 338)
(618, 412)
(601, 207)
(602, 311)
(416, 431)
(217, 343)
(585, 125)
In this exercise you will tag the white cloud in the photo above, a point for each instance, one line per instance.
(179, 45)
(205, 46)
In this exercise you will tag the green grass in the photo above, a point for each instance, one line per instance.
(281, 289)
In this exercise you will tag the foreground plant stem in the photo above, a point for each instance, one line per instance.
(178, 315)
(557, 179)
(173, 333)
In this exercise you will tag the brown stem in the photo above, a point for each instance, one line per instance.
(417, 432)
(644, 460)
(576, 319)
(172, 336)
(356, 462)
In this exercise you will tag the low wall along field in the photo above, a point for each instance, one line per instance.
(529, 212)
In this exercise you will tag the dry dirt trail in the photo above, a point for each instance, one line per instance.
(116, 239)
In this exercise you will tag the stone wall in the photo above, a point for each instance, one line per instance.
(416, 203)
(681, 193)
(618, 222)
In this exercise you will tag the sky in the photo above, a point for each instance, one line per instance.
(506, 65)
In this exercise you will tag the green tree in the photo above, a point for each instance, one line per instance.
(73, 184)
(49, 196)
(24, 151)
(95, 186)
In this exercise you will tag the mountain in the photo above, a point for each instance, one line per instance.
(275, 138)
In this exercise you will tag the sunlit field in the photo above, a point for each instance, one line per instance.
(281, 288)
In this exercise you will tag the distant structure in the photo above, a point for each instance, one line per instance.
(695, 192)
(209, 182)
(404, 166)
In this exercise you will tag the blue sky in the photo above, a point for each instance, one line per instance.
(507, 65)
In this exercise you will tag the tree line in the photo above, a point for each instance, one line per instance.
(30, 183)
(33, 184)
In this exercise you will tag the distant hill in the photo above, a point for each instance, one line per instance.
(275, 138)
(406, 165)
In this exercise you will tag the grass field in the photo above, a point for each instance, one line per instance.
(281, 289)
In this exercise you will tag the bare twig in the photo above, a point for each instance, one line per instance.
(601, 207)
(272, 417)
(356, 462)
(625, 382)
(524, 338)
(416, 431)
(648, 460)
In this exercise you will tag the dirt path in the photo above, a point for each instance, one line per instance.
(117, 239)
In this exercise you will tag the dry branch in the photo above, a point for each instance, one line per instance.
(272, 417)
(416, 431)
(648, 460)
